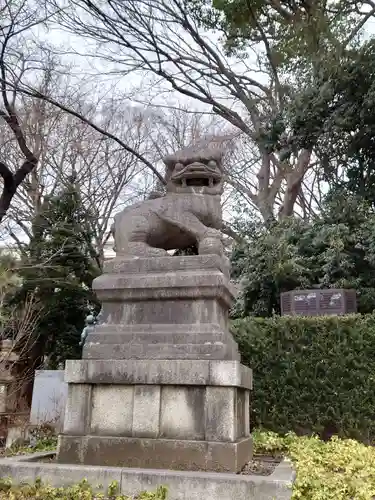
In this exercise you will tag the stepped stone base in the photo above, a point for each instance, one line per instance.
(182, 485)
(160, 384)
(170, 454)
(174, 414)
(163, 308)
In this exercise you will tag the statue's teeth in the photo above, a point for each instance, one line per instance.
(211, 182)
(184, 183)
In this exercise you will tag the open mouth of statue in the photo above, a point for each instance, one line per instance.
(209, 182)
(193, 181)
(197, 177)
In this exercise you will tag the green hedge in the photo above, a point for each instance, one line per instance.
(312, 374)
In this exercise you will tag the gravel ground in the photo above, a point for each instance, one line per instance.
(261, 465)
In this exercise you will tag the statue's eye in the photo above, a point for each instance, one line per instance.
(179, 166)
(212, 164)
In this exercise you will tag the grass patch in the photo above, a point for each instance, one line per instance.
(42, 445)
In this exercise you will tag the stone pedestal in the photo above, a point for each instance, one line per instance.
(160, 385)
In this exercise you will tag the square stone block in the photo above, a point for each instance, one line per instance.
(112, 410)
(231, 457)
(146, 411)
(247, 413)
(240, 413)
(182, 412)
(220, 415)
(77, 409)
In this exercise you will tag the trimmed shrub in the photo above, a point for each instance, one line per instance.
(311, 375)
(339, 469)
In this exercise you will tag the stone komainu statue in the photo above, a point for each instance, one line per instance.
(188, 214)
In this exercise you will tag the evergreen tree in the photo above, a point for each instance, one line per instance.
(336, 250)
(59, 271)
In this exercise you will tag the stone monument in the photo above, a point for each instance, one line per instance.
(160, 384)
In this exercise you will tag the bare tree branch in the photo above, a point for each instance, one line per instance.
(161, 37)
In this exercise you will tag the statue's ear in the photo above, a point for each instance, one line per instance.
(168, 172)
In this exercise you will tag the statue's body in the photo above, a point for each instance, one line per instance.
(188, 214)
(90, 322)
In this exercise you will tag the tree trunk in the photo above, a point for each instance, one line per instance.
(33, 361)
(5, 201)
(294, 183)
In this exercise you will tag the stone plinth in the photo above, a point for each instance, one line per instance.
(160, 385)
(173, 414)
(163, 308)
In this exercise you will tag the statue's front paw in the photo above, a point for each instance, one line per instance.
(213, 233)
(211, 243)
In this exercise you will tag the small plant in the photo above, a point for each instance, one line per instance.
(113, 489)
(267, 442)
(42, 438)
(82, 490)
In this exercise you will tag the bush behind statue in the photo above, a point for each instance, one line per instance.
(311, 374)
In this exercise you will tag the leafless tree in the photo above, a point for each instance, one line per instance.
(18, 328)
(22, 337)
(108, 176)
(162, 38)
(18, 18)
(174, 128)
(33, 108)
